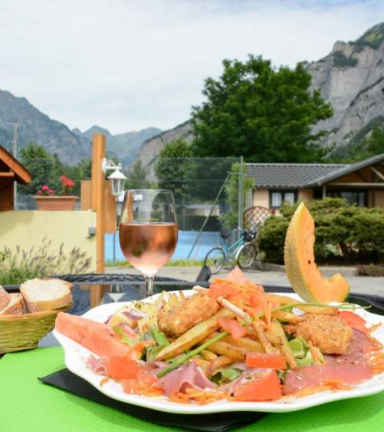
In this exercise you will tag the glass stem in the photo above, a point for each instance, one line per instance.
(149, 285)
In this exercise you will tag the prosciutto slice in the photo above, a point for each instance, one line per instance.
(349, 368)
(97, 365)
(359, 346)
(188, 375)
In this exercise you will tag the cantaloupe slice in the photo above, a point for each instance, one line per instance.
(300, 266)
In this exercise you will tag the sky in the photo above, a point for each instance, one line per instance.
(130, 64)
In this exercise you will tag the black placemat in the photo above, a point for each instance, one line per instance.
(66, 380)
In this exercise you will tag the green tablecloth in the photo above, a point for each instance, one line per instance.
(28, 405)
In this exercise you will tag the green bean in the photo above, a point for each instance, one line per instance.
(159, 336)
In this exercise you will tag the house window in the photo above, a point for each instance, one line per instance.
(357, 197)
(277, 198)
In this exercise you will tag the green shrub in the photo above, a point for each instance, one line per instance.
(345, 234)
(376, 270)
(19, 265)
(340, 60)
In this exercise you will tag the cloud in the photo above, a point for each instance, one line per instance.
(126, 65)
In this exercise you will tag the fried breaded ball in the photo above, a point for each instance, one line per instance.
(329, 333)
(186, 314)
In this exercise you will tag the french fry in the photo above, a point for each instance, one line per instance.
(228, 350)
(193, 336)
(319, 310)
(284, 300)
(279, 340)
(286, 317)
(263, 338)
(208, 355)
(217, 364)
(249, 344)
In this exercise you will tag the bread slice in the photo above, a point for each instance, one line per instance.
(46, 294)
(15, 305)
(5, 298)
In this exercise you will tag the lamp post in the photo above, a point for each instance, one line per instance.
(117, 177)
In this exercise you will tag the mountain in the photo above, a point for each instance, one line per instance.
(351, 78)
(151, 148)
(38, 128)
(125, 146)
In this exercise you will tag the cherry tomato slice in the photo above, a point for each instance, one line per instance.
(232, 326)
(264, 386)
(264, 360)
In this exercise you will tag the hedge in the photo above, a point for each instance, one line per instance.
(345, 234)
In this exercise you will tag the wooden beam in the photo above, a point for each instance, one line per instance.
(358, 184)
(7, 174)
(377, 172)
(98, 198)
(22, 174)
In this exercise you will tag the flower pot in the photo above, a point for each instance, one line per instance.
(55, 202)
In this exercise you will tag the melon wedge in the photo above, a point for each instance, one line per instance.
(300, 266)
(95, 336)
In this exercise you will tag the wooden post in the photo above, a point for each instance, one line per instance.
(7, 196)
(98, 198)
(324, 191)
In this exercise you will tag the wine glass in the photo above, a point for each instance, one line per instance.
(148, 231)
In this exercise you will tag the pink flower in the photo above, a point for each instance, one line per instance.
(67, 184)
(45, 188)
(39, 192)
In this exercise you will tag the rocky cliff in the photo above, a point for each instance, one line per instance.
(36, 127)
(351, 78)
(151, 148)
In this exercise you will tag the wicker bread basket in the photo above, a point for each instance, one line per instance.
(23, 332)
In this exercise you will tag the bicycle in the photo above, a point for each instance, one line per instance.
(242, 251)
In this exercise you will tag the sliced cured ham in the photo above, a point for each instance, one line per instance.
(349, 368)
(186, 376)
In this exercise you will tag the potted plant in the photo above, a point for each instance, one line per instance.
(48, 199)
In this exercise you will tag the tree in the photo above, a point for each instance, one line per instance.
(172, 165)
(42, 166)
(77, 173)
(230, 219)
(261, 113)
(137, 177)
(370, 146)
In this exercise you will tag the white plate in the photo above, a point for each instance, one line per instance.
(76, 356)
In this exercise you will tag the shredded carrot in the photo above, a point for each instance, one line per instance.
(335, 384)
(313, 353)
(377, 363)
(374, 327)
(103, 381)
(179, 398)
(376, 345)
(201, 397)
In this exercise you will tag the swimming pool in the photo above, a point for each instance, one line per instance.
(208, 240)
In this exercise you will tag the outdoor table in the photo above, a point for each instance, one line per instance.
(28, 404)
